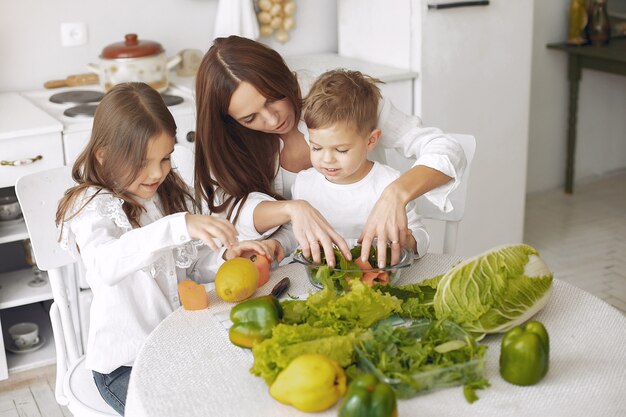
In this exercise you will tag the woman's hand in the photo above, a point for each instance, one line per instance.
(387, 222)
(206, 228)
(314, 233)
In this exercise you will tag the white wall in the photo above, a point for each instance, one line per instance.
(601, 144)
(30, 44)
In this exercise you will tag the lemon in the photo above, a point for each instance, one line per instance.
(236, 280)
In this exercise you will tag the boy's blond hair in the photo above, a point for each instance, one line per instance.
(343, 97)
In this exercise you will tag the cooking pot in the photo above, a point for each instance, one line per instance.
(134, 60)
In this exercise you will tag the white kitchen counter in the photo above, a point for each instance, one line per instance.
(319, 63)
(19, 117)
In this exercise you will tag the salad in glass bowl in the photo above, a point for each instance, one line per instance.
(346, 270)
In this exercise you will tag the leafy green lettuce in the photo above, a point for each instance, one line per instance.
(417, 299)
(361, 307)
(290, 341)
(327, 323)
(494, 291)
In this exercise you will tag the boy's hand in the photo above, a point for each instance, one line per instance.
(207, 228)
(314, 233)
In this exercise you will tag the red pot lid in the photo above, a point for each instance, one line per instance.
(131, 48)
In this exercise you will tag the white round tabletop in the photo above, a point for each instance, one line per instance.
(188, 367)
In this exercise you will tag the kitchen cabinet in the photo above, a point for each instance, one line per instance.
(30, 141)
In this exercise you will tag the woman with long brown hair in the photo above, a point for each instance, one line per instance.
(251, 143)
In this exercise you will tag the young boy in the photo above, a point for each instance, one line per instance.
(341, 115)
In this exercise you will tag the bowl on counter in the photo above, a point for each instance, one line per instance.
(369, 275)
(9, 208)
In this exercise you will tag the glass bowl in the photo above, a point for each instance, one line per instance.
(350, 269)
(426, 379)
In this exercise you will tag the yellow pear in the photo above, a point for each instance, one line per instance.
(310, 382)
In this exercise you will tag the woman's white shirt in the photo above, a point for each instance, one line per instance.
(429, 146)
(133, 272)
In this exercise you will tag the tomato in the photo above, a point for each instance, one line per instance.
(263, 264)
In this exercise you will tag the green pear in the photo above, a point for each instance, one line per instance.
(310, 382)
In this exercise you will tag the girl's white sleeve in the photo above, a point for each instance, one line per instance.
(113, 252)
(429, 146)
(419, 232)
(204, 268)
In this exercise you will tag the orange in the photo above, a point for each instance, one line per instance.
(236, 280)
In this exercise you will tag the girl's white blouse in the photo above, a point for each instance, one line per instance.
(133, 272)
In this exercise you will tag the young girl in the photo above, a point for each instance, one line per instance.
(129, 219)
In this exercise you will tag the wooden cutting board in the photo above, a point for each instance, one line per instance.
(74, 80)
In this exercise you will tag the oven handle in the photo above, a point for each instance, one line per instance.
(19, 162)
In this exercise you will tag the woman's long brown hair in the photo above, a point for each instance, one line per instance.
(231, 158)
(129, 116)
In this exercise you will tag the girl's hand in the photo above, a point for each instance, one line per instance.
(271, 248)
(206, 228)
(387, 222)
(313, 233)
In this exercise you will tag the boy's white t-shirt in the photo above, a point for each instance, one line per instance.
(347, 206)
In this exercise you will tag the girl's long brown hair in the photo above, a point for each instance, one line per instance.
(231, 158)
(129, 116)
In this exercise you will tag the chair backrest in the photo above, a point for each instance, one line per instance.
(183, 160)
(457, 198)
(39, 195)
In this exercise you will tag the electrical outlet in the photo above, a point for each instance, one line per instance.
(73, 34)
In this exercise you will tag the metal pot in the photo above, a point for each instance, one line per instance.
(134, 60)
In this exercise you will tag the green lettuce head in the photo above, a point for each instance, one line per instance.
(494, 291)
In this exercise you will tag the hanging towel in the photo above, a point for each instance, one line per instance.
(236, 17)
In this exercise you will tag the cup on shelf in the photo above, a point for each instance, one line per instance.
(24, 335)
(9, 208)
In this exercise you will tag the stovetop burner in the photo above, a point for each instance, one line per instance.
(76, 97)
(171, 100)
(82, 110)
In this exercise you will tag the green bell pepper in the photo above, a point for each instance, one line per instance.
(368, 397)
(525, 354)
(253, 320)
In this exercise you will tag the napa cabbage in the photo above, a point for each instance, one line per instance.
(494, 291)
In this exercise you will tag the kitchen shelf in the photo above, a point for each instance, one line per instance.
(15, 291)
(11, 233)
(46, 355)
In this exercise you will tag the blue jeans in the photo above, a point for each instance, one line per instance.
(113, 387)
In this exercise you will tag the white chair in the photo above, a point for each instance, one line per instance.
(39, 195)
(457, 197)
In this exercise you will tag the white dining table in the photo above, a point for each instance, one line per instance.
(188, 367)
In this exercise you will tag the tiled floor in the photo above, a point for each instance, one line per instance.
(582, 236)
(31, 393)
